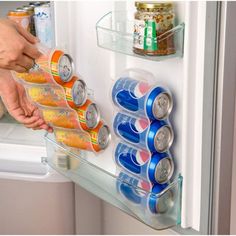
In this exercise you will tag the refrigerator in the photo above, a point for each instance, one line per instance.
(201, 78)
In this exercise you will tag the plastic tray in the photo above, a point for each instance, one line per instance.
(115, 32)
(127, 194)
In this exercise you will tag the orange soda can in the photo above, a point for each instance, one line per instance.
(60, 117)
(47, 95)
(89, 115)
(21, 17)
(76, 92)
(34, 76)
(73, 138)
(56, 62)
(100, 137)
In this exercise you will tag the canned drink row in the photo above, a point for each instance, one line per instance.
(156, 168)
(155, 136)
(155, 199)
(139, 98)
(94, 140)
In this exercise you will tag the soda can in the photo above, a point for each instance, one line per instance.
(56, 62)
(30, 10)
(141, 99)
(100, 137)
(76, 92)
(46, 95)
(156, 136)
(35, 76)
(155, 167)
(43, 24)
(60, 117)
(21, 17)
(89, 115)
(93, 140)
(145, 195)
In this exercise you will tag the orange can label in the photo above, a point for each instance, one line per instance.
(74, 139)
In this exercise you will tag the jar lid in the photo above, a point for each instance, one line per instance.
(153, 5)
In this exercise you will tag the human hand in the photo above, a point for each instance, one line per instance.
(14, 97)
(17, 49)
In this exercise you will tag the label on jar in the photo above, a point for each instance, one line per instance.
(150, 38)
(139, 29)
(145, 35)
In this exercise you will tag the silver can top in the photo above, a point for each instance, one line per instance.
(162, 105)
(165, 202)
(92, 116)
(79, 92)
(104, 136)
(163, 138)
(164, 170)
(65, 67)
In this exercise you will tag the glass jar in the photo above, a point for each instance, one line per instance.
(152, 21)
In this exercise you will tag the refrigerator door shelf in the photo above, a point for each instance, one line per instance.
(115, 32)
(159, 210)
(22, 162)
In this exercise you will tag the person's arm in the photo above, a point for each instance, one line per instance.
(15, 99)
(17, 47)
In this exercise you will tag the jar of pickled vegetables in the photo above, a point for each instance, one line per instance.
(152, 28)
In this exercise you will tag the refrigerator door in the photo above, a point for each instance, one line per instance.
(191, 80)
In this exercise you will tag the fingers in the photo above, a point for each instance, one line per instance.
(28, 36)
(19, 69)
(26, 62)
(31, 51)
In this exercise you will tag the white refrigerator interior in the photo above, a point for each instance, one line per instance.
(34, 199)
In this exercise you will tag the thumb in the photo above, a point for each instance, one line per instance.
(27, 35)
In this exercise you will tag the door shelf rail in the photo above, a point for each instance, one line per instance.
(131, 195)
(115, 32)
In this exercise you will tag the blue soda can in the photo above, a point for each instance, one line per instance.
(156, 137)
(131, 189)
(141, 99)
(155, 168)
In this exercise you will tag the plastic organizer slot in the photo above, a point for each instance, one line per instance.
(129, 196)
(115, 32)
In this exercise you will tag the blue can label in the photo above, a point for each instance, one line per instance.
(132, 130)
(130, 95)
(131, 189)
(133, 160)
(141, 99)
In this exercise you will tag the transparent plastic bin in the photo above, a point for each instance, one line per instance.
(135, 197)
(115, 32)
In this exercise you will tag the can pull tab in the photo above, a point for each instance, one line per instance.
(43, 49)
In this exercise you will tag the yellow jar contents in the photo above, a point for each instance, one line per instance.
(152, 22)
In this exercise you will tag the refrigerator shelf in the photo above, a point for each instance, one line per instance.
(131, 195)
(115, 32)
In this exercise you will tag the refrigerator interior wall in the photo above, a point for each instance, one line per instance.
(183, 76)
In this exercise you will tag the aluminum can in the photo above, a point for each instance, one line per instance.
(21, 17)
(46, 95)
(43, 24)
(155, 168)
(30, 10)
(131, 189)
(89, 115)
(60, 117)
(59, 64)
(76, 92)
(139, 98)
(100, 137)
(156, 136)
(93, 140)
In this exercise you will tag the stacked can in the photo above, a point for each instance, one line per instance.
(143, 126)
(155, 199)
(62, 99)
